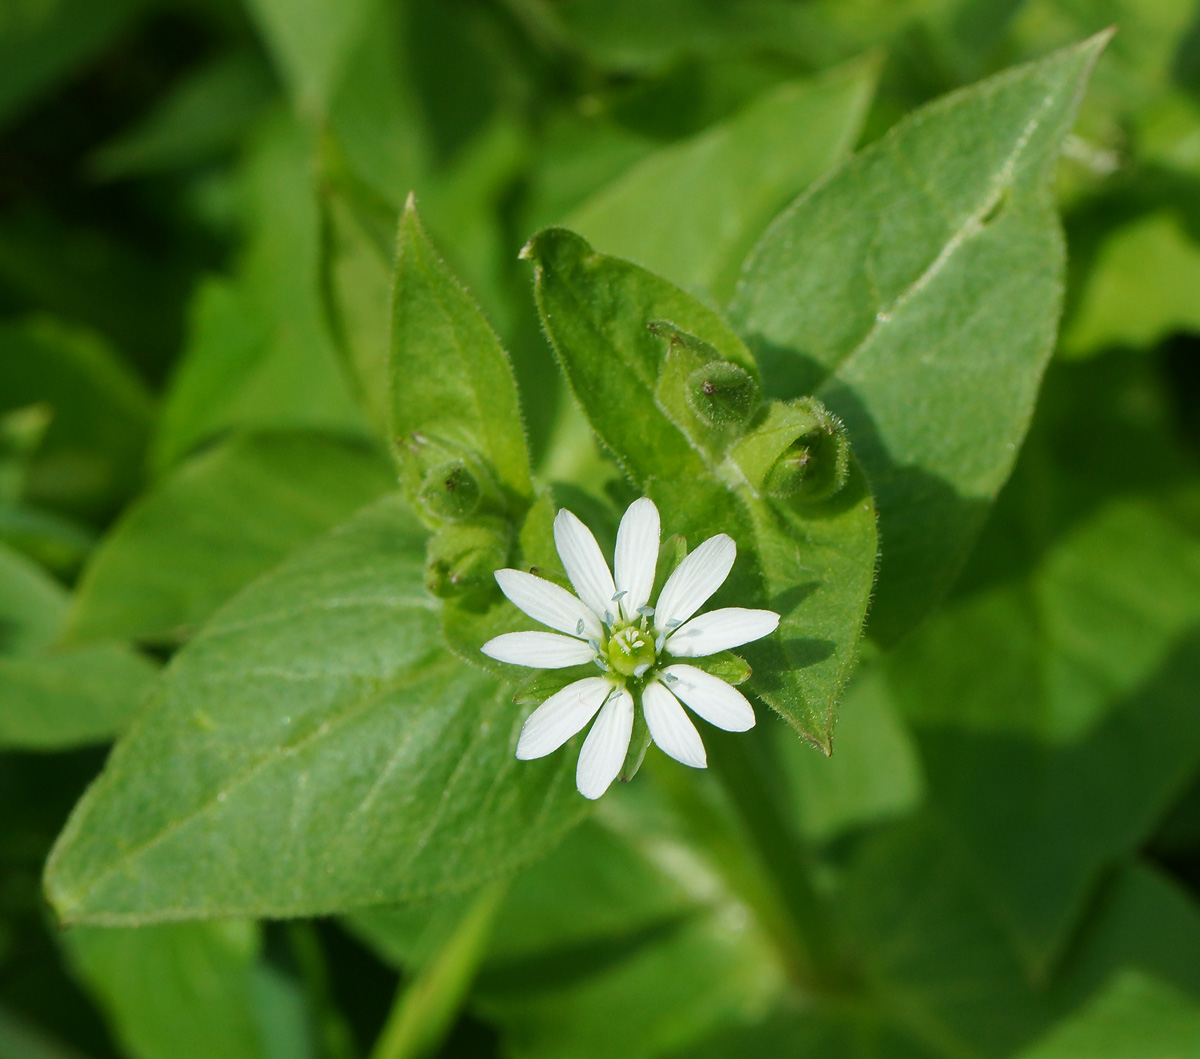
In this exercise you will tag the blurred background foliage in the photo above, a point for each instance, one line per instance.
(195, 200)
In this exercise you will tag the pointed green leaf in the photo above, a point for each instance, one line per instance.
(916, 292)
(691, 211)
(177, 990)
(213, 525)
(314, 749)
(453, 395)
(50, 697)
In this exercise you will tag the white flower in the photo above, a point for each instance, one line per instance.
(635, 646)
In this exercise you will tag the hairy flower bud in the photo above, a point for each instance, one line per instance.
(450, 491)
(461, 558)
(798, 451)
(722, 394)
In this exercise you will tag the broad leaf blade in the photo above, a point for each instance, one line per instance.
(450, 379)
(315, 749)
(691, 211)
(917, 292)
(215, 524)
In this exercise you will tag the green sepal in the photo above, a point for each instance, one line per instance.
(541, 684)
(726, 666)
(639, 743)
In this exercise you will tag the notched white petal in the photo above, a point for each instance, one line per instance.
(561, 716)
(544, 601)
(584, 563)
(721, 704)
(538, 650)
(636, 555)
(670, 727)
(720, 630)
(695, 579)
(605, 747)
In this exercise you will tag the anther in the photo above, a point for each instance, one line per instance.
(579, 627)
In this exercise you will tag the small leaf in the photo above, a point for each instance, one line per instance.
(452, 386)
(177, 990)
(314, 749)
(916, 292)
(213, 525)
(53, 698)
(692, 210)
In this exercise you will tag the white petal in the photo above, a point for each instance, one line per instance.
(670, 728)
(605, 747)
(637, 555)
(544, 601)
(584, 563)
(561, 716)
(694, 580)
(538, 650)
(710, 697)
(720, 630)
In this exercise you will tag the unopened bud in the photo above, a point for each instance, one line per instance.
(450, 491)
(722, 394)
(798, 452)
(462, 559)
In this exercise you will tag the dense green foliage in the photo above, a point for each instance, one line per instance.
(313, 314)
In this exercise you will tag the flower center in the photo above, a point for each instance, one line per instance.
(631, 650)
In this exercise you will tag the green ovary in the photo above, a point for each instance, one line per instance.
(630, 649)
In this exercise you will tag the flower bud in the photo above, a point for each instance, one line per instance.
(722, 394)
(799, 451)
(462, 558)
(450, 491)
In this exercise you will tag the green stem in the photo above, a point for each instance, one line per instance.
(425, 1008)
(333, 1031)
(745, 766)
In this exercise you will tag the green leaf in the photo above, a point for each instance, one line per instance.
(691, 211)
(452, 387)
(596, 311)
(1135, 1017)
(811, 562)
(202, 117)
(1141, 288)
(40, 43)
(916, 292)
(177, 990)
(1052, 686)
(311, 43)
(53, 698)
(89, 459)
(313, 750)
(874, 776)
(213, 525)
(259, 354)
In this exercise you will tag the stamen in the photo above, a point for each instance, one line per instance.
(579, 628)
(646, 612)
(660, 642)
(617, 597)
(594, 645)
(608, 618)
(674, 623)
(641, 670)
(670, 678)
(601, 664)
